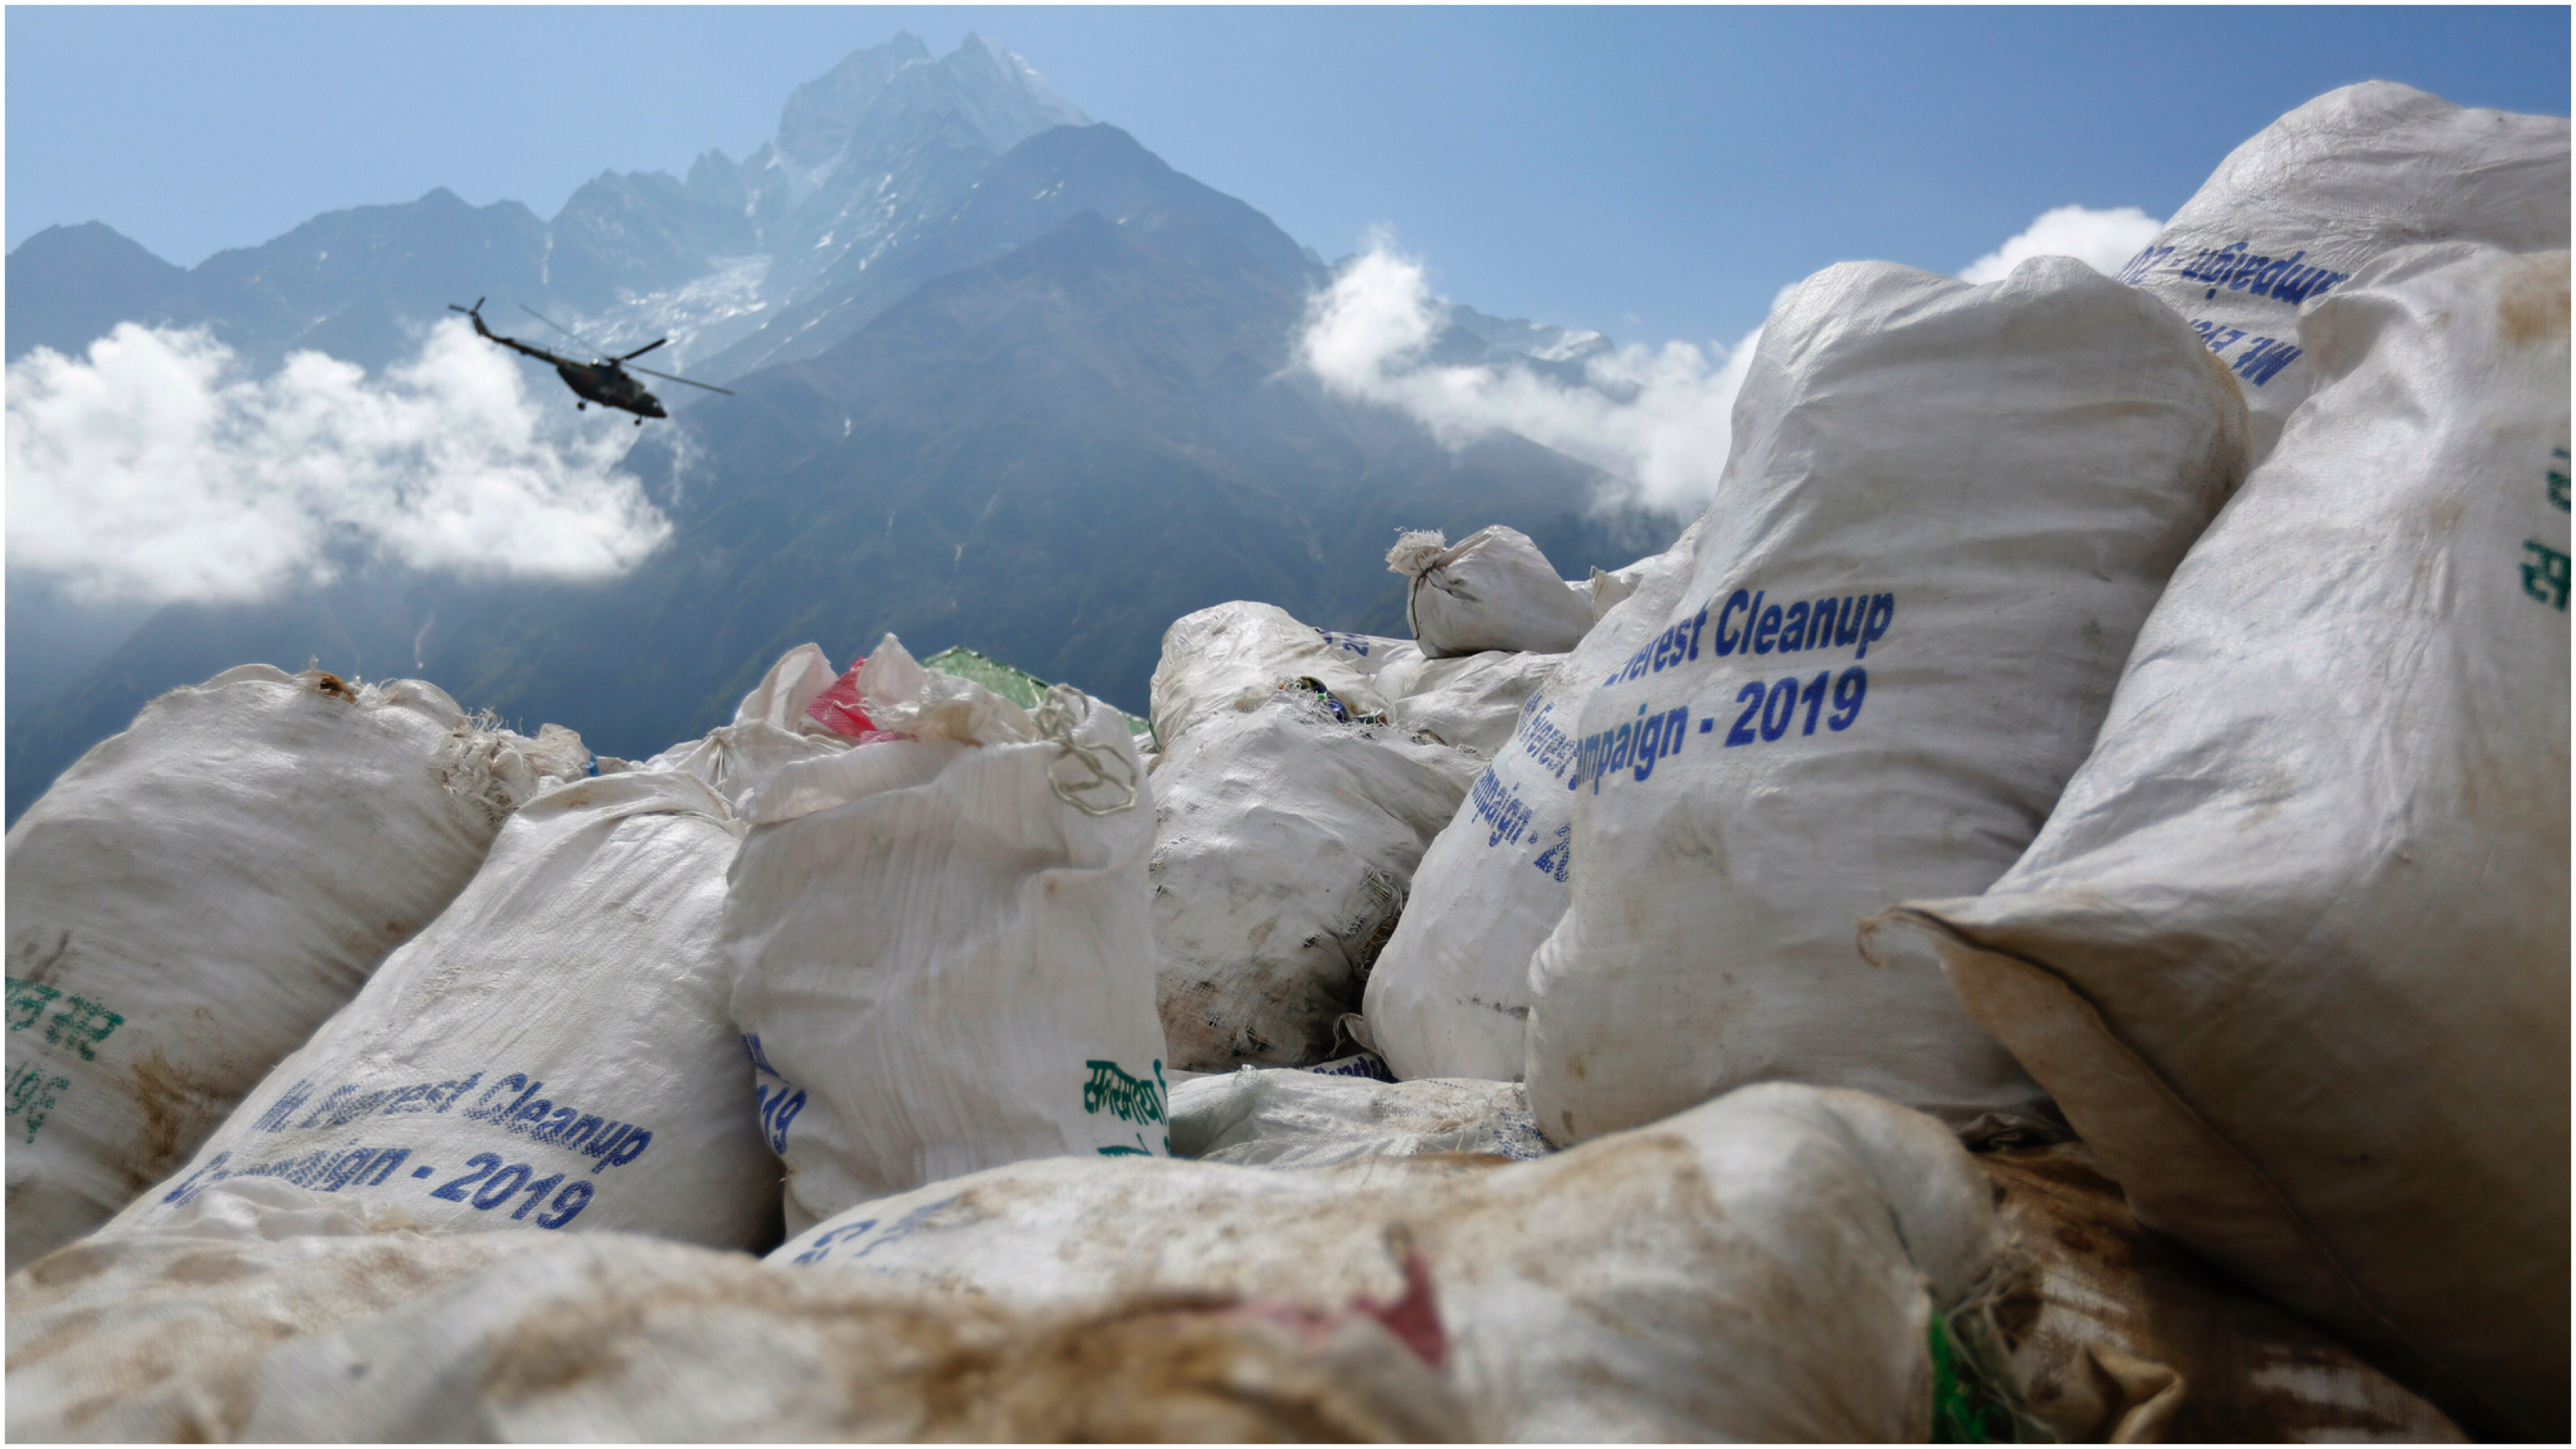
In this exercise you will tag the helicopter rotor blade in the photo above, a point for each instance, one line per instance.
(559, 327)
(675, 377)
(647, 347)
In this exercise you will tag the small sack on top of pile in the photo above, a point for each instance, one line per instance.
(1492, 589)
(2295, 213)
(2292, 951)
(943, 943)
(1449, 996)
(553, 1052)
(196, 894)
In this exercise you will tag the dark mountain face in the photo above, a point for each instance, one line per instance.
(70, 285)
(358, 284)
(1060, 412)
(1037, 186)
(642, 232)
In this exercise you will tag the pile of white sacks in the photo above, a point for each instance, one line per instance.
(2042, 915)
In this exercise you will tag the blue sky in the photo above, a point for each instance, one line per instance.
(1655, 173)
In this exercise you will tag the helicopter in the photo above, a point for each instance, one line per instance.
(605, 381)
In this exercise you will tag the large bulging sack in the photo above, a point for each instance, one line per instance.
(944, 949)
(772, 728)
(1948, 509)
(554, 1051)
(1492, 589)
(2292, 952)
(2116, 1335)
(1233, 656)
(198, 893)
(1449, 996)
(1284, 842)
(136, 1337)
(2297, 211)
(275, 1318)
(1766, 1268)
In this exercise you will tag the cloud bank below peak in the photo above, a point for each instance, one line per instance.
(1657, 420)
(154, 470)
(1653, 418)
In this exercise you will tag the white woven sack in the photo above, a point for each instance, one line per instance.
(1284, 843)
(1765, 1268)
(769, 731)
(2294, 213)
(943, 944)
(554, 1051)
(302, 1324)
(1469, 700)
(1258, 1118)
(1607, 587)
(1492, 589)
(2292, 952)
(198, 893)
(1233, 656)
(1449, 996)
(1369, 654)
(1948, 509)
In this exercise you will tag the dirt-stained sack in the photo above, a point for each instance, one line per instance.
(2294, 214)
(195, 895)
(1259, 1118)
(1284, 842)
(1492, 589)
(145, 1337)
(303, 1323)
(2118, 1335)
(2292, 951)
(554, 1051)
(1764, 1268)
(1948, 508)
(943, 945)
(1449, 996)
(1233, 656)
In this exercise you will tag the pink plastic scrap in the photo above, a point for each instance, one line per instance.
(1414, 1318)
(839, 709)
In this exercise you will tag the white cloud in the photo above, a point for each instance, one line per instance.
(1654, 418)
(154, 469)
(1657, 419)
(2102, 240)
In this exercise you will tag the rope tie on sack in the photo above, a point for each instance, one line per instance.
(1058, 716)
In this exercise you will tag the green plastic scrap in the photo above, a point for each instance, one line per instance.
(1016, 685)
(1965, 1408)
